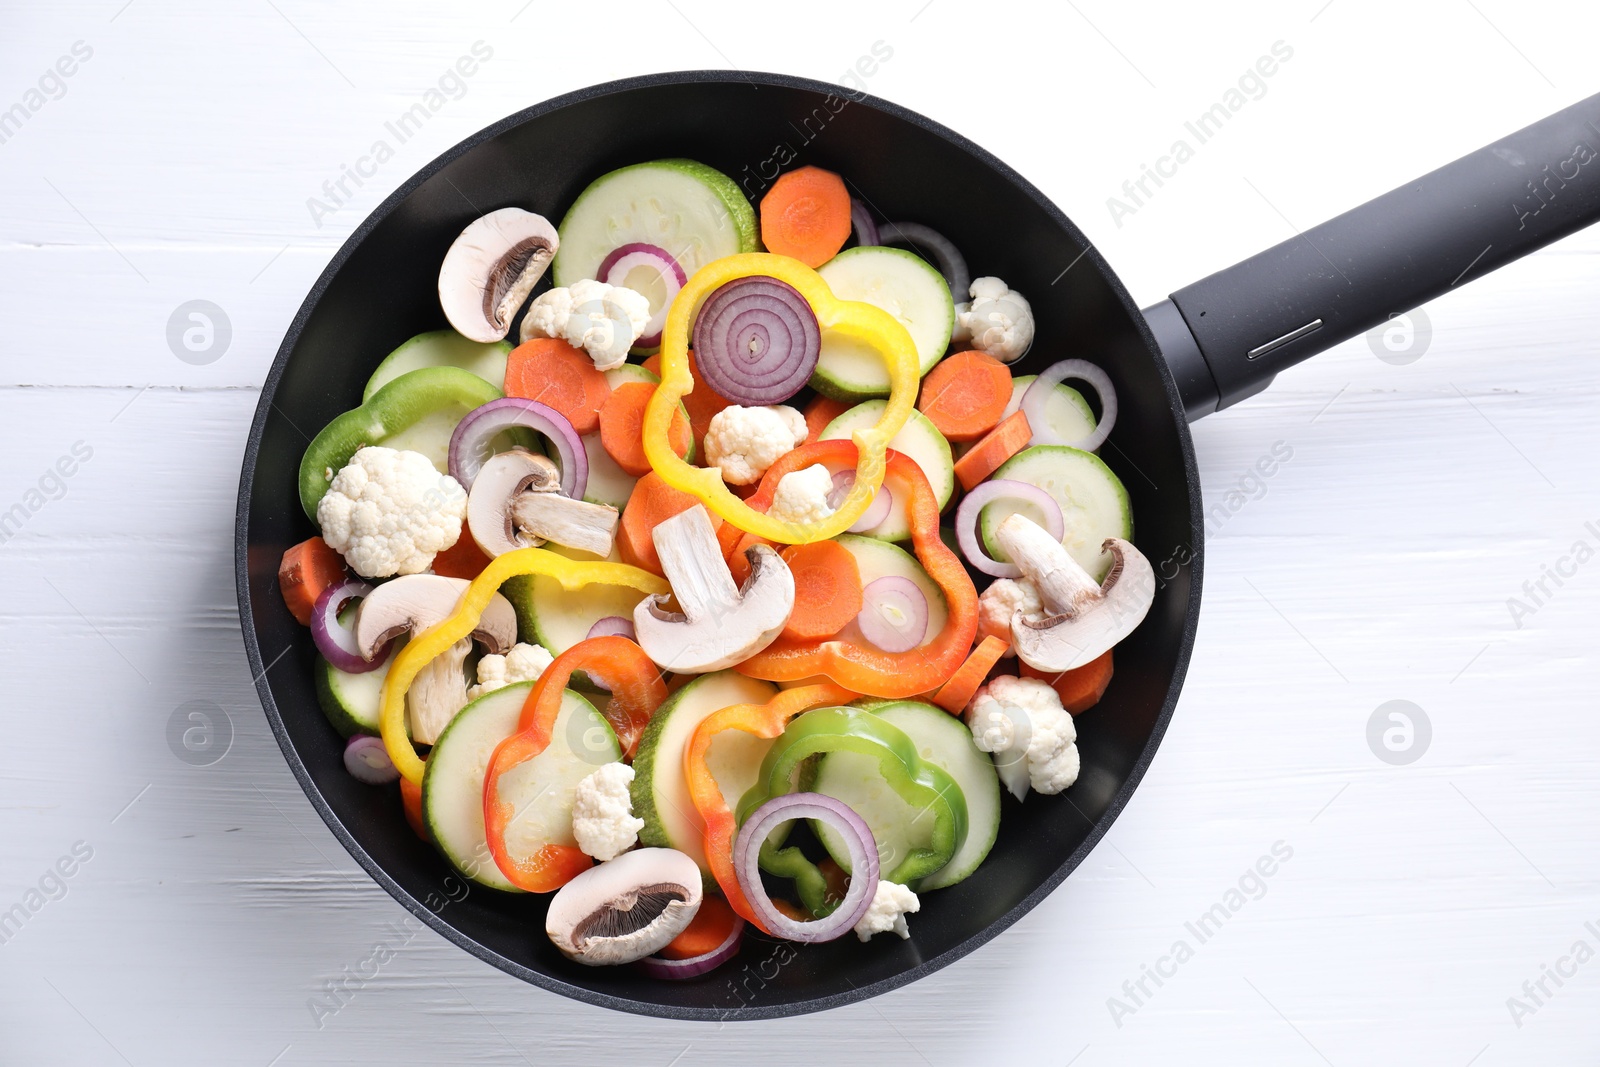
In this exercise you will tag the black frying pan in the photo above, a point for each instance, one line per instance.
(1210, 345)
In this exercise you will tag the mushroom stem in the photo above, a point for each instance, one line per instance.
(1064, 586)
(439, 691)
(546, 516)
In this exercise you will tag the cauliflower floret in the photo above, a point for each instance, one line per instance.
(744, 442)
(603, 320)
(802, 496)
(997, 320)
(1052, 737)
(602, 813)
(390, 512)
(891, 903)
(524, 663)
(1000, 603)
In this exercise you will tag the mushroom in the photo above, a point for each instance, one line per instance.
(717, 624)
(491, 268)
(516, 502)
(625, 909)
(1082, 618)
(411, 604)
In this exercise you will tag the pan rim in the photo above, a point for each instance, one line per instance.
(435, 920)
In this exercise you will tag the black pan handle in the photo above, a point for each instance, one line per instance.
(1226, 336)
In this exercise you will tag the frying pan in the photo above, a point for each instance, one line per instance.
(1208, 346)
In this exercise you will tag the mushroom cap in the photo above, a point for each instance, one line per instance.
(491, 268)
(504, 477)
(627, 908)
(1062, 641)
(413, 602)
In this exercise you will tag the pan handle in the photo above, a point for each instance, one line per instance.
(1227, 335)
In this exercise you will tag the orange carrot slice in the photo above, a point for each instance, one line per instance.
(1080, 688)
(653, 502)
(549, 370)
(701, 402)
(306, 570)
(956, 694)
(806, 215)
(999, 445)
(622, 427)
(820, 412)
(708, 929)
(827, 589)
(966, 395)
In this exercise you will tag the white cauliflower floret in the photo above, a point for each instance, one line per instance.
(743, 442)
(524, 663)
(390, 512)
(891, 903)
(603, 320)
(602, 813)
(1052, 737)
(997, 320)
(802, 496)
(999, 604)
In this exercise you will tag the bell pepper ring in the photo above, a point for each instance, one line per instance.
(847, 318)
(761, 720)
(418, 652)
(637, 690)
(857, 666)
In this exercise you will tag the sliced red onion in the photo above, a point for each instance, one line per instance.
(612, 625)
(861, 221)
(1038, 395)
(863, 864)
(972, 506)
(952, 264)
(368, 761)
(469, 445)
(756, 341)
(695, 966)
(621, 262)
(876, 511)
(333, 639)
(894, 613)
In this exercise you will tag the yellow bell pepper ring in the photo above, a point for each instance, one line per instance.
(849, 318)
(420, 650)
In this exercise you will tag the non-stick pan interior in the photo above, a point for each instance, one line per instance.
(381, 289)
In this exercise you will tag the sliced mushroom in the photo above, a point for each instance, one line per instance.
(717, 624)
(411, 604)
(1082, 618)
(491, 268)
(625, 909)
(516, 502)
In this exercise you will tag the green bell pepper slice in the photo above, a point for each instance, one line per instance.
(917, 781)
(403, 402)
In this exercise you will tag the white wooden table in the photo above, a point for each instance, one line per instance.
(175, 163)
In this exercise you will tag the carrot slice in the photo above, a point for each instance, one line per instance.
(622, 427)
(999, 445)
(549, 370)
(464, 559)
(1080, 688)
(306, 570)
(701, 402)
(827, 589)
(956, 694)
(966, 395)
(820, 412)
(806, 215)
(708, 929)
(652, 503)
(411, 801)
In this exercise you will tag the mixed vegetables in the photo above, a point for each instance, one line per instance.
(623, 605)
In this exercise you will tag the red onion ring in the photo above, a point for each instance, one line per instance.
(893, 592)
(695, 966)
(368, 761)
(972, 506)
(952, 264)
(863, 864)
(333, 639)
(756, 341)
(612, 625)
(615, 268)
(1038, 395)
(469, 445)
(861, 221)
(876, 512)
